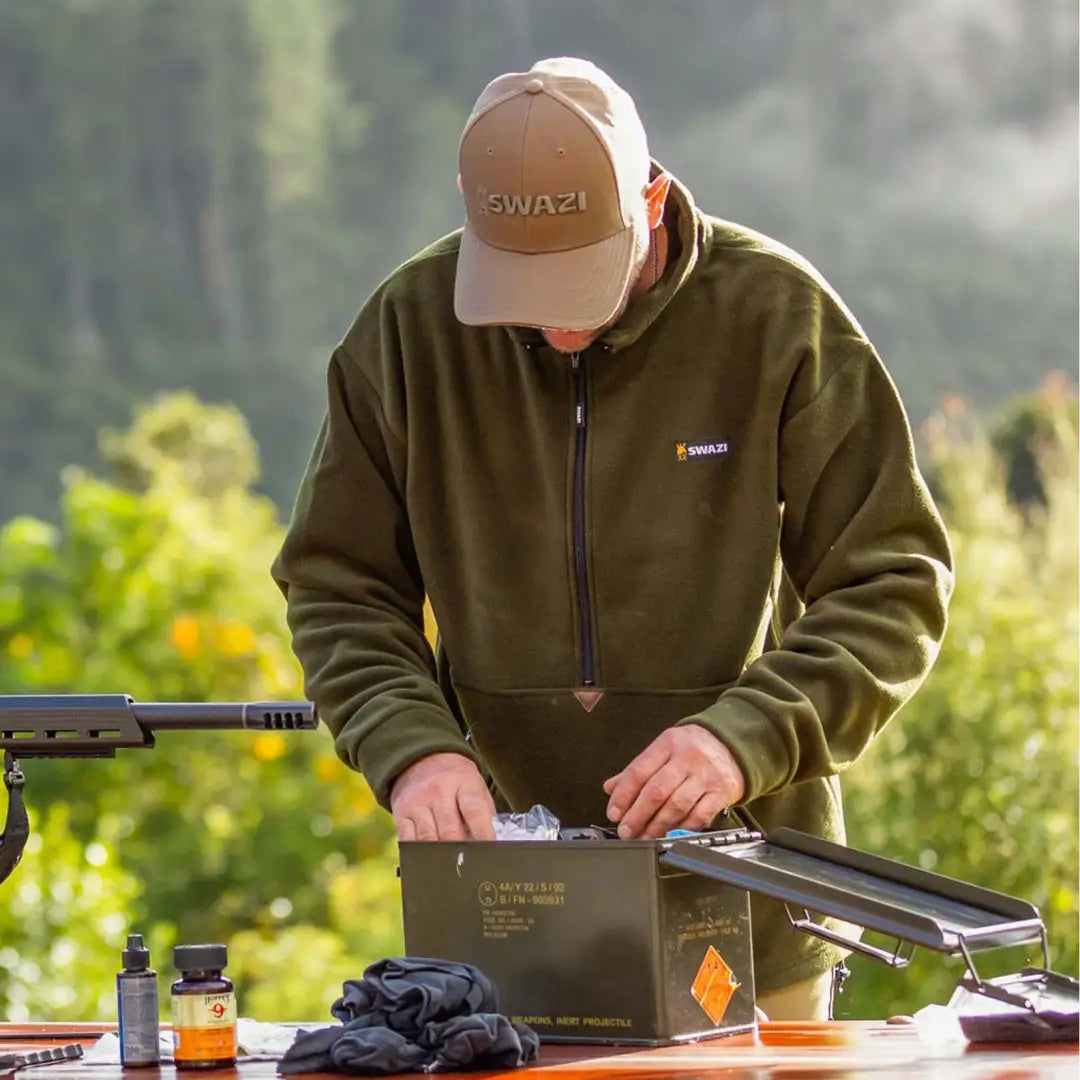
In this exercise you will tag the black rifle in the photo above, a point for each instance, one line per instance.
(97, 725)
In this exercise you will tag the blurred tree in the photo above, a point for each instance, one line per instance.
(1034, 437)
(61, 917)
(160, 588)
(172, 211)
(209, 448)
(297, 971)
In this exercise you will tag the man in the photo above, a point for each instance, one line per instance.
(659, 489)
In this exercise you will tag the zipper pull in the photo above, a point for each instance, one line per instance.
(579, 407)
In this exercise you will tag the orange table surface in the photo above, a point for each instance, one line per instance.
(777, 1050)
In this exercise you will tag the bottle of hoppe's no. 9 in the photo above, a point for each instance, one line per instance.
(203, 1009)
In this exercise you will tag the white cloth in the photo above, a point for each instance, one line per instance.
(255, 1041)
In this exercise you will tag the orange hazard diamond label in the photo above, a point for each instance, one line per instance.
(713, 985)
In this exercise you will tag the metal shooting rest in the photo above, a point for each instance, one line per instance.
(913, 906)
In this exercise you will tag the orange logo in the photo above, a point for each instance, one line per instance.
(680, 451)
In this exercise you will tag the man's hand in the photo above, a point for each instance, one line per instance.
(442, 797)
(681, 780)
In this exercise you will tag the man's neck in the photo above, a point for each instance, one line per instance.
(565, 341)
(655, 260)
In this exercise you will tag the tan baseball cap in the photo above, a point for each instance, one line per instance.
(554, 164)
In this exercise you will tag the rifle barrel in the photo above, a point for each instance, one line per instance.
(259, 715)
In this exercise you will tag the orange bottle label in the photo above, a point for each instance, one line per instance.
(204, 1026)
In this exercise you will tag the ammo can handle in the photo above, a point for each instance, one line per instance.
(808, 926)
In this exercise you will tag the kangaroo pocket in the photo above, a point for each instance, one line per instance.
(541, 746)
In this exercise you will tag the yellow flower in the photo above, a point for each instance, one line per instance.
(363, 798)
(327, 767)
(235, 639)
(20, 646)
(269, 745)
(185, 636)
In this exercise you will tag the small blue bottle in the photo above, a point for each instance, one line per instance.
(137, 1007)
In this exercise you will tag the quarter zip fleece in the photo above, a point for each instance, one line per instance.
(785, 585)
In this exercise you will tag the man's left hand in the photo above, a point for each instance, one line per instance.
(681, 780)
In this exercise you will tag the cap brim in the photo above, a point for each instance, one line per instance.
(580, 289)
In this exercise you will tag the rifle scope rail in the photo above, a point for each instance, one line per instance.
(97, 725)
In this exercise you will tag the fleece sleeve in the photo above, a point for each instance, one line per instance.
(866, 549)
(355, 595)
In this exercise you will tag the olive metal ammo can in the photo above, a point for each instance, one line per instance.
(588, 940)
(644, 942)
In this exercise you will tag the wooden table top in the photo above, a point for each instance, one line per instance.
(777, 1051)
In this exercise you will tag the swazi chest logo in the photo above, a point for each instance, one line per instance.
(691, 451)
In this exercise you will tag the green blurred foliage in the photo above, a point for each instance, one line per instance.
(977, 777)
(60, 918)
(155, 583)
(296, 972)
(1036, 431)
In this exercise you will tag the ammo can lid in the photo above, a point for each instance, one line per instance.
(914, 906)
(200, 957)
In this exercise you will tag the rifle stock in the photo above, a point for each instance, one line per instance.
(97, 725)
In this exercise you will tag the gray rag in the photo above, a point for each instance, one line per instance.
(412, 1014)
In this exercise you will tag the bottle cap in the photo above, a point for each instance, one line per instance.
(136, 957)
(200, 957)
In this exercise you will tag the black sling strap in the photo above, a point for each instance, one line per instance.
(17, 825)
(10, 1063)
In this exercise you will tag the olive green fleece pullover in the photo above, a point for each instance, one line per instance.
(713, 515)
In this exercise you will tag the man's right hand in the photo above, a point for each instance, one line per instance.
(442, 797)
